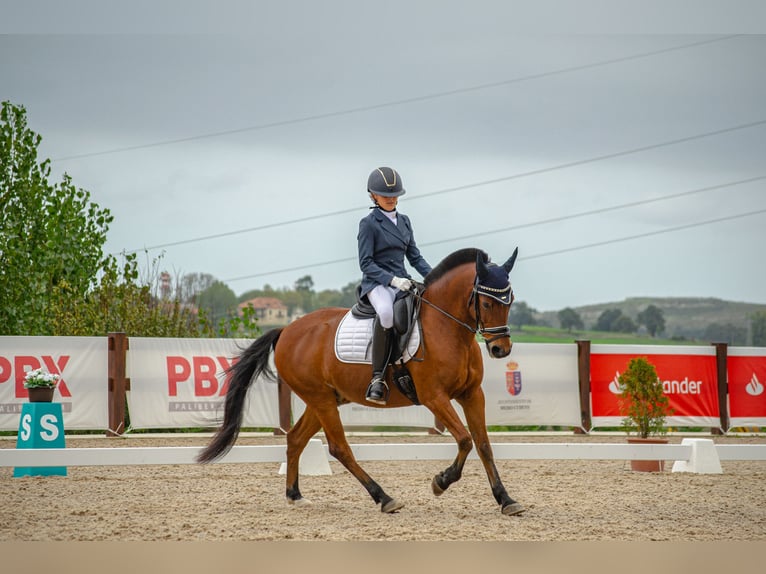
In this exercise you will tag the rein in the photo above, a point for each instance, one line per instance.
(496, 332)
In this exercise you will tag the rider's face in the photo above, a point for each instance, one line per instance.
(387, 203)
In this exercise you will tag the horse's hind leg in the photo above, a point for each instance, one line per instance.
(340, 449)
(444, 411)
(297, 438)
(473, 407)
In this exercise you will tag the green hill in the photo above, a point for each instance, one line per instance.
(685, 317)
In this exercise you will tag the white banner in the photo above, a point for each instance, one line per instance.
(352, 415)
(179, 383)
(82, 391)
(535, 385)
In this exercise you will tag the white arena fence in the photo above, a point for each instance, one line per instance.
(692, 455)
(179, 383)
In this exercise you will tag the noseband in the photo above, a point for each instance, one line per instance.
(503, 296)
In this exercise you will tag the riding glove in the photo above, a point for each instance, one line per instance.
(402, 284)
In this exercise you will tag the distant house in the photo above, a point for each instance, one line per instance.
(268, 310)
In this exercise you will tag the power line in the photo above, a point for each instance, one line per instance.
(642, 235)
(404, 101)
(458, 188)
(599, 210)
(536, 256)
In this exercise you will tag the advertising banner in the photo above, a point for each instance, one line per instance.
(82, 390)
(747, 376)
(178, 383)
(354, 415)
(688, 376)
(535, 385)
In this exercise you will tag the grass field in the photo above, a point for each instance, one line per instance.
(535, 334)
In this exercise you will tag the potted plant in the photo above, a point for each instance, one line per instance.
(40, 385)
(644, 405)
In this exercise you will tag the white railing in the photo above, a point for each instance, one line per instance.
(684, 452)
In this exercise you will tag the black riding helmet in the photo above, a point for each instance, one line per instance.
(385, 181)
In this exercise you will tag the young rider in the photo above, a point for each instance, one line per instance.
(385, 238)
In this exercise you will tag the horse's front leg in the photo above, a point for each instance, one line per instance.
(341, 450)
(443, 410)
(473, 407)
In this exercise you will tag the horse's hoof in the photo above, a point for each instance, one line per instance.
(438, 490)
(392, 506)
(298, 502)
(512, 509)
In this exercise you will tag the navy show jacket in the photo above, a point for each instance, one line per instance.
(383, 247)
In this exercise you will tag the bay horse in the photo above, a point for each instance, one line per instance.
(465, 294)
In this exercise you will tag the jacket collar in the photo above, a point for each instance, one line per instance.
(399, 230)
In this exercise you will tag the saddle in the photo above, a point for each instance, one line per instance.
(406, 319)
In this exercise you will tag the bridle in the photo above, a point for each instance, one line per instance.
(490, 334)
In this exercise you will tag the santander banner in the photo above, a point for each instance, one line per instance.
(688, 376)
(82, 390)
(747, 378)
(176, 383)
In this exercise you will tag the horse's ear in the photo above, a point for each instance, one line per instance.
(481, 267)
(508, 265)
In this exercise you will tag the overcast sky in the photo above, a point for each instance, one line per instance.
(621, 165)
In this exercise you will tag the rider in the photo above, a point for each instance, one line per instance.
(385, 238)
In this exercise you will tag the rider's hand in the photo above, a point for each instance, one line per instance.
(401, 283)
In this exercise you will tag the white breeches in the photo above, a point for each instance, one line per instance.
(382, 298)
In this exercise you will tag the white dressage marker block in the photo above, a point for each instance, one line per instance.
(703, 460)
(313, 460)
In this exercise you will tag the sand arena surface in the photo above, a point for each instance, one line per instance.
(565, 500)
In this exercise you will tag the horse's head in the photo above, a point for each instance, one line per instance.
(492, 296)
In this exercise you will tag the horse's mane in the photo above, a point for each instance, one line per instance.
(459, 257)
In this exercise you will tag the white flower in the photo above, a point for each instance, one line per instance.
(39, 378)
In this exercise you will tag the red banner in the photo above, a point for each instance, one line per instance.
(689, 381)
(747, 378)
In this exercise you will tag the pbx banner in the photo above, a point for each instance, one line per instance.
(176, 383)
(82, 390)
(688, 376)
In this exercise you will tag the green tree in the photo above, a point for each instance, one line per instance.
(726, 333)
(219, 301)
(304, 287)
(653, 319)
(51, 237)
(758, 327)
(643, 402)
(624, 324)
(606, 320)
(521, 314)
(570, 319)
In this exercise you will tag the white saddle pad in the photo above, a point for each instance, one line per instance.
(352, 341)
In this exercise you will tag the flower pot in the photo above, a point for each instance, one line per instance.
(647, 465)
(41, 394)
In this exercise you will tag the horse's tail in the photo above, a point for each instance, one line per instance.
(253, 362)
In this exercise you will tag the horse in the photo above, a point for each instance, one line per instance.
(463, 295)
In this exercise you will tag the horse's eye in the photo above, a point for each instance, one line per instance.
(485, 305)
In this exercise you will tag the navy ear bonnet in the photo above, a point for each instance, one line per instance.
(495, 284)
(492, 280)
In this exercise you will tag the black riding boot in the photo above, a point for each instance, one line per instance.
(377, 392)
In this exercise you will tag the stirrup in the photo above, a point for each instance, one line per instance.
(377, 391)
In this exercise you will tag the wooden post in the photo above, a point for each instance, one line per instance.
(285, 408)
(583, 380)
(118, 383)
(721, 354)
